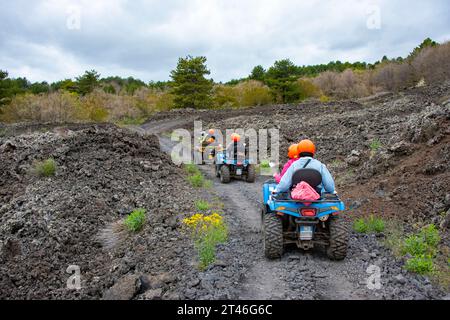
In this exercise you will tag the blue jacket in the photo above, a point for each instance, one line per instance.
(327, 180)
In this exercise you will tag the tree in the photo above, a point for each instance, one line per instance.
(427, 43)
(282, 69)
(87, 82)
(39, 87)
(281, 78)
(258, 73)
(11, 87)
(190, 87)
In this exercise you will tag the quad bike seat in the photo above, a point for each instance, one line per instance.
(310, 176)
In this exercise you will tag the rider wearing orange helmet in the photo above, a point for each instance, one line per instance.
(293, 157)
(307, 151)
(236, 148)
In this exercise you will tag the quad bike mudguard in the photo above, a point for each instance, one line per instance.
(306, 224)
(282, 203)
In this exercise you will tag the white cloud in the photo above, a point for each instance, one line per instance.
(145, 38)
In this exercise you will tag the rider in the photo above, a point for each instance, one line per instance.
(293, 156)
(306, 150)
(236, 148)
(209, 138)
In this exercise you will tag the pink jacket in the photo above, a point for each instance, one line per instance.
(285, 168)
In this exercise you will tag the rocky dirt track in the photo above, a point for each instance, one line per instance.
(105, 172)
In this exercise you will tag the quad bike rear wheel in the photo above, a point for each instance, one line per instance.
(251, 173)
(225, 176)
(339, 235)
(273, 236)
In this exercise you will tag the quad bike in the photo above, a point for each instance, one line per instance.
(228, 168)
(306, 224)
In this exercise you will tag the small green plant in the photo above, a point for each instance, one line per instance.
(207, 232)
(191, 169)
(207, 184)
(430, 235)
(265, 164)
(423, 248)
(136, 220)
(376, 224)
(202, 205)
(46, 168)
(360, 226)
(375, 145)
(414, 245)
(420, 264)
(197, 180)
(370, 224)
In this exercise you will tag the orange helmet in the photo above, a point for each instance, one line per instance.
(212, 131)
(293, 151)
(306, 146)
(235, 137)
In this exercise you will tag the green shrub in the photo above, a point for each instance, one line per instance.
(375, 145)
(265, 164)
(425, 242)
(202, 205)
(207, 232)
(136, 220)
(46, 168)
(371, 224)
(430, 235)
(415, 246)
(376, 224)
(191, 169)
(98, 114)
(197, 180)
(306, 89)
(423, 248)
(207, 184)
(360, 226)
(420, 264)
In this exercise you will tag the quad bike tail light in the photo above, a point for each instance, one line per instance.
(308, 212)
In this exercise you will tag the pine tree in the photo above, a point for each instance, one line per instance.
(258, 73)
(190, 87)
(87, 82)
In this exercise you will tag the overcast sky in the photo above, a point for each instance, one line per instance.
(57, 39)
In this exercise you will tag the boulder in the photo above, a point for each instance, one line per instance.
(125, 289)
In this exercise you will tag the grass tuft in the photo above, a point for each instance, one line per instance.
(202, 205)
(136, 220)
(46, 168)
(207, 232)
(375, 145)
(371, 224)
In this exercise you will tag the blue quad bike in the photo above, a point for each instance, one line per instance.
(230, 168)
(305, 224)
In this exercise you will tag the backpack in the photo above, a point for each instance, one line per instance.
(303, 191)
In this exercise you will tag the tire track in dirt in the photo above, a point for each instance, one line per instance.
(301, 275)
(261, 281)
(271, 279)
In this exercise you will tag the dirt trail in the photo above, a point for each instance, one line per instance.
(299, 275)
(381, 151)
